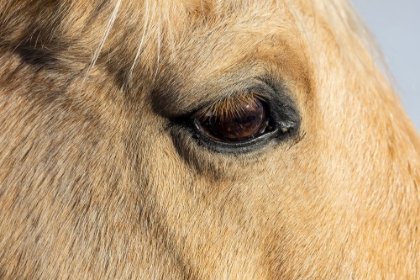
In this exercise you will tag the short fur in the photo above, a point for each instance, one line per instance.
(96, 180)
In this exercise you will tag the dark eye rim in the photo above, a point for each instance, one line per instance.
(283, 116)
(280, 132)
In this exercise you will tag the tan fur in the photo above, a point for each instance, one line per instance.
(96, 181)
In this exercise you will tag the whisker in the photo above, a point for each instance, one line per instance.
(108, 28)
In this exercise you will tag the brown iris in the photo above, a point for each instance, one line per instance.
(234, 119)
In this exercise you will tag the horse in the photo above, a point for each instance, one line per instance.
(202, 139)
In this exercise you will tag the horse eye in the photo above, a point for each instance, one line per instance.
(235, 120)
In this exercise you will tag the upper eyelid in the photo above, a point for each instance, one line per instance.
(177, 99)
(258, 94)
(253, 86)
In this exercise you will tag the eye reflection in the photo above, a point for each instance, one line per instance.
(235, 119)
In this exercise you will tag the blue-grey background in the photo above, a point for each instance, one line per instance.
(396, 26)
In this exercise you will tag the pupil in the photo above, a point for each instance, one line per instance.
(248, 122)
